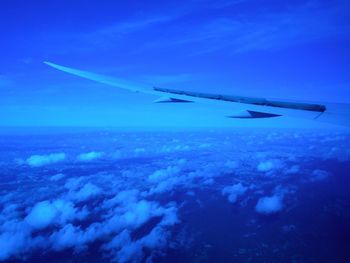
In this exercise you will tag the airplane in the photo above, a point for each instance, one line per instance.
(254, 108)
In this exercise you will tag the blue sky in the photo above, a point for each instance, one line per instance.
(281, 49)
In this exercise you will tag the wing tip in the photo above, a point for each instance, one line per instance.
(49, 63)
(59, 67)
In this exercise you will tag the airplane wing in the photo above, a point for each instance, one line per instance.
(335, 113)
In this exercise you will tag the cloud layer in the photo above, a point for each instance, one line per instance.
(138, 206)
(41, 160)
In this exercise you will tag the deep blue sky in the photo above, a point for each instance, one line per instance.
(280, 49)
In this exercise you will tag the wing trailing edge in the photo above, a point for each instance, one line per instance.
(249, 114)
(170, 100)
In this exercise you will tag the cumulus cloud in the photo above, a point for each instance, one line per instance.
(41, 160)
(71, 236)
(46, 213)
(86, 192)
(231, 165)
(90, 156)
(137, 213)
(160, 175)
(139, 151)
(127, 250)
(42, 215)
(174, 148)
(164, 186)
(319, 175)
(269, 204)
(166, 179)
(123, 197)
(270, 166)
(13, 238)
(17, 241)
(16, 235)
(205, 145)
(265, 166)
(11, 244)
(127, 216)
(74, 182)
(124, 249)
(293, 170)
(10, 211)
(234, 191)
(57, 177)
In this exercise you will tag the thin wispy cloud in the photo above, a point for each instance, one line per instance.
(264, 30)
(205, 27)
(109, 36)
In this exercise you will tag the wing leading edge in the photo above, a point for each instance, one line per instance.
(254, 107)
(249, 100)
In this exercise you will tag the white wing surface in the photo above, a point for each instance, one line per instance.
(334, 113)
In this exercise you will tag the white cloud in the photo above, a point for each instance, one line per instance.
(15, 243)
(231, 165)
(139, 151)
(166, 179)
(269, 204)
(204, 145)
(74, 182)
(265, 166)
(174, 148)
(167, 185)
(70, 236)
(119, 240)
(234, 191)
(130, 252)
(125, 249)
(88, 191)
(208, 181)
(9, 212)
(132, 215)
(319, 175)
(11, 244)
(127, 216)
(162, 174)
(169, 215)
(41, 160)
(138, 213)
(293, 170)
(270, 166)
(123, 197)
(90, 156)
(42, 215)
(16, 239)
(57, 177)
(46, 213)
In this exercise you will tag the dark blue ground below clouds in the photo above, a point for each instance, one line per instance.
(184, 196)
